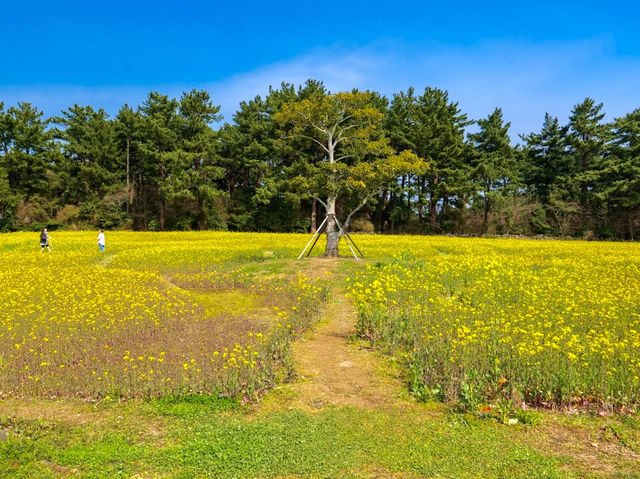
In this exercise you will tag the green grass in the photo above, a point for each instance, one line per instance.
(227, 302)
(203, 437)
(348, 442)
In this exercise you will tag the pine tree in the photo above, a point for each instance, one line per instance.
(618, 186)
(160, 130)
(588, 143)
(548, 159)
(128, 128)
(91, 166)
(197, 153)
(495, 167)
(433, 128)
(27, 145)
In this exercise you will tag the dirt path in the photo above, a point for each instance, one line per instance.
(330, 369)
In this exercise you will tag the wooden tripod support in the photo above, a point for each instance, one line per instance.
(347, 237)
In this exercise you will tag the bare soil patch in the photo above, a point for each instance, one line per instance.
(595, 450)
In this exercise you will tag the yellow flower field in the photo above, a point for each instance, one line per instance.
(478, 321)
(544, 322)
(133, 321)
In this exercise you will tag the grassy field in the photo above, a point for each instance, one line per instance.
(219, 355)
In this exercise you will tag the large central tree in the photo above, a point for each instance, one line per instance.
(357, 162)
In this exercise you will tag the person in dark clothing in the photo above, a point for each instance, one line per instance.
(44, 240)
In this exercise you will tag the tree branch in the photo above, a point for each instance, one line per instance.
(309, 138)
(358, 208)
(321, 202)
(344, 118)
(344, 157)
(311, 122)
(355, 125)
(341, 138)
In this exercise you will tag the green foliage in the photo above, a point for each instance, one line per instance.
(548, 158)
(27, 145)
(402, 166)
(433, 128)
(192, 405)
(538, 221)
(496, 169)
(8, 203)
(90, 166)
(528, 417)
(587, 140)
(618, 186)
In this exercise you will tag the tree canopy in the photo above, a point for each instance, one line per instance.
(413, 163)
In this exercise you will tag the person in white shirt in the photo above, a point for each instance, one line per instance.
(101, 240)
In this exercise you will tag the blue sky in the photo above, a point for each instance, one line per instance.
(526, 57)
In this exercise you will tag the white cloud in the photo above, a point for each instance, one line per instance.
(525, 79)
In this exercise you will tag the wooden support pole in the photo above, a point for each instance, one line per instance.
(354, 244)
(320, 230)
(315, 237)
(346, 239)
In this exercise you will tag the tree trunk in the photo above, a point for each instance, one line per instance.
(333, 236)
(163, 201)
(433, 212)
(313, 216)
(201, 215)
(129, 189)
(584, 193)
(485, 222)
(383, 210)
(141, 202)
(163, 213)
(392, 221)
(445, 203)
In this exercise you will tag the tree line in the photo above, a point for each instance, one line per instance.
(412, 164)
